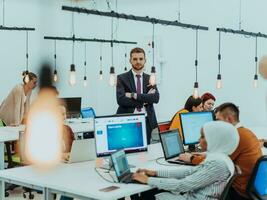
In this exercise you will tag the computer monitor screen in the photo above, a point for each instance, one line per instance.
(171, 143)
(117, 132)
(73, 106)
(88, 112)
(192, 123)
(260, 182)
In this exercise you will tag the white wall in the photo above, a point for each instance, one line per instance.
(175, 46)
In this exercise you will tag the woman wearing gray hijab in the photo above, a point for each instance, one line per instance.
(206, 181)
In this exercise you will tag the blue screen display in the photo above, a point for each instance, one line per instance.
(260, 182)
(122, 136)
(192, 123)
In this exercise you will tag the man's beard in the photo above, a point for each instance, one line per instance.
(138, 68)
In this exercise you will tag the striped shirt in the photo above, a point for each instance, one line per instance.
(204, 182)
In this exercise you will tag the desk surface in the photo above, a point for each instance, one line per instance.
(9, 133)
(81, 178)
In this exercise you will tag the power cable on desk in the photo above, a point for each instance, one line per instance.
(108, 172)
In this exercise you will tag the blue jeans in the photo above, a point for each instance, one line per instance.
(66, 198)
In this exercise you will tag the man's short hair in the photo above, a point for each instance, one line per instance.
(229, 108)
(137, 50)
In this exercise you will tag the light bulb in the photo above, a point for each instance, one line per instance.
(72, 79)
(27, 78)
(100, 75)
(84, 81)
(44, 129)
(195, 92)
(112, 77)
(152, 79)
(219, 81)
(55, 78)
(255, 81)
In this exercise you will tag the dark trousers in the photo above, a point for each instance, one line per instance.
(232, 194)
(148, 131)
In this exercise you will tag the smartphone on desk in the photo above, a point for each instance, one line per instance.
(109, 189)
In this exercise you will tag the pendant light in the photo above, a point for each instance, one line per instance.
(125, 59)
(85, 77)
(26, 74)
(195, 92)
(101, 64)
(55, 76)
(72, 75)
(255, 81)
(152, 79)
(219, 76)
(112, 74)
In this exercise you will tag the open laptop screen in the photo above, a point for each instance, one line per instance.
(120, 163)
(171, 143)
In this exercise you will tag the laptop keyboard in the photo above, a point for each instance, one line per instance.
(128, 179)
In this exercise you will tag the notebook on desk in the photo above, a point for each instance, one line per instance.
(172, 147)
(82, 150)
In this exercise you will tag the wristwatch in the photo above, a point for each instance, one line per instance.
(132, 95)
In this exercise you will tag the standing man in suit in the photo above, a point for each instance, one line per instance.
(134, 92)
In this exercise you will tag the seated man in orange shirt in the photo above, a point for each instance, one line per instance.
(245, 156)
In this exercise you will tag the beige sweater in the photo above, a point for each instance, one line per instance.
(14, 107)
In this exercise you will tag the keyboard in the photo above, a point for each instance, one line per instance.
(128, 179)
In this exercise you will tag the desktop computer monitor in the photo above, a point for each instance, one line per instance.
(73, 106)
(191, 124)
(117, 132)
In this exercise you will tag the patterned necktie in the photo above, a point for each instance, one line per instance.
(138, 87)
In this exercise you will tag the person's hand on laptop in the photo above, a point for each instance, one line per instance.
(140, 177)
(186, 157)
(147, 172)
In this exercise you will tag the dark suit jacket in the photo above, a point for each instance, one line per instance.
(126, 83)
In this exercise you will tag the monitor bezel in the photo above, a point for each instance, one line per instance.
(127, 151)
(190, 113)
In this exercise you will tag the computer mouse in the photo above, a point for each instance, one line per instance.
(265, 144)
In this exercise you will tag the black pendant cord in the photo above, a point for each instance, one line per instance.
(240, 17)
(219, 55)
(125, 58)
(256, 56)
(111, 44)
(55, 54)
(3, 13)
(85, 58)
(196, 60)
(101, 57)
(153, 45)
(27, 52)
(179, 10)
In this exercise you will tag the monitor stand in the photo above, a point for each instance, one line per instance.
(191, 148)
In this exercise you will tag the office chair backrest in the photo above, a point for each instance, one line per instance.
(230, 182)
(88, 112)
(257, 185)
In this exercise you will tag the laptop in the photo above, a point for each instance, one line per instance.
(172, 147)
(82, 150)
(121, 167)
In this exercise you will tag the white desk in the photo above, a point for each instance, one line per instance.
(79, 180)
(7, 134)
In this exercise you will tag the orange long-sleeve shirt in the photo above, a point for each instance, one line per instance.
(245, 156)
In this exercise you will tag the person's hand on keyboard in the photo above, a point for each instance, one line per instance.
(186, 157)
(140, 177)
(147, 172)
